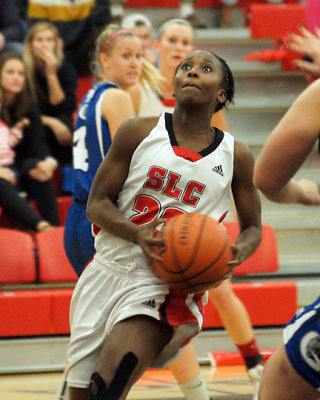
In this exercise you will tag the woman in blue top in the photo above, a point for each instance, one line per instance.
(119, 62)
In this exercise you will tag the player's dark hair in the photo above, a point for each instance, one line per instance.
(22, 103)
(227, 83)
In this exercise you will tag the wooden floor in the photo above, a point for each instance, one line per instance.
(224, 383)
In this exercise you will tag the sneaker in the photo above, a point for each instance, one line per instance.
(255, 374)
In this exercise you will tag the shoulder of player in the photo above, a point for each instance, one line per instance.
(115, 96)
(242, 153)
(139, 126)
(133, 130)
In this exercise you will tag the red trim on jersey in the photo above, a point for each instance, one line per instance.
(95, 229)
(222, 217)
(189, 155)
(168, 102)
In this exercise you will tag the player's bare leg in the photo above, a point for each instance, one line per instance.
(236, 320)
(128, 351)
(186, 371)
(280, 381)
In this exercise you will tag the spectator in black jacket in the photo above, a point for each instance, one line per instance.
(11, 27)
(53, 83)
(33, 166)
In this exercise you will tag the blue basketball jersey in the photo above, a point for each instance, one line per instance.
(91, 141)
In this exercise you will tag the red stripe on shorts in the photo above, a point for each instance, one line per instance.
(174, 310)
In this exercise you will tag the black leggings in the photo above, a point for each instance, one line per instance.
(19, 209)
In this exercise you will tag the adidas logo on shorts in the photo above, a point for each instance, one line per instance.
(150, 303)
(218, 170)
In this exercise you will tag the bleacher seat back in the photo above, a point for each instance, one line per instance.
(84, 85)
(265, 259)
(18, 263)
(54, 265)
(64, 202)
(288, 17)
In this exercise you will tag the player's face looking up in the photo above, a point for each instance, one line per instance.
(198, 80)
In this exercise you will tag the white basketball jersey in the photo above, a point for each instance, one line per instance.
(165, 180)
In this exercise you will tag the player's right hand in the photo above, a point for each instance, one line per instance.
(146, 239)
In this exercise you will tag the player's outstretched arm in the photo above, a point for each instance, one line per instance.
(247, 204)
(286, 149)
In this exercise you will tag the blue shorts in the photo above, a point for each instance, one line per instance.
(302, 342)
(78, 239)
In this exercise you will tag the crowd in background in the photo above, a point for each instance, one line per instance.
(43, 52)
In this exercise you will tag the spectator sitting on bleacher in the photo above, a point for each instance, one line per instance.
(11, 27)
(53, 83)
(33, 166)
(79, 23)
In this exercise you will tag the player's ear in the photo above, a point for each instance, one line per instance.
(222, 95)
(104, 60)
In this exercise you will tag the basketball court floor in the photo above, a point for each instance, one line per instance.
(223, 383)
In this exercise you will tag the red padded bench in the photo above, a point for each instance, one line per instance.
(268, 303)
(35, 312)
(265, 258)
(18, 263)
(54, 265)
(197, 4)
(273, 21)
(46, 311)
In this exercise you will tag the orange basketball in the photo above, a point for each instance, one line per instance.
(195, 254)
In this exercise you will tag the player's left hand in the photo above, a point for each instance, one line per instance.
(241, 251)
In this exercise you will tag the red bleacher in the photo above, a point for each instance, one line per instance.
(265, 258)
(288, 17)
(18, 264)
(267, 303)
(54, 265)
(43, 310)
(197, 4)
(39, 260)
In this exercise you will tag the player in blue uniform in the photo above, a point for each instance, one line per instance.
(293, 371)
(120, 66)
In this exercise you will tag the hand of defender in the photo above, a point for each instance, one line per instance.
(146, 239)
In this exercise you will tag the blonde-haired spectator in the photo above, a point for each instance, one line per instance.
(53, 83)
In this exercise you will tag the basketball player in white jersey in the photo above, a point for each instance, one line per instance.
(175, 41)
(123, 318)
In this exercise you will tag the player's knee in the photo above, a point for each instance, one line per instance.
(98, 389)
